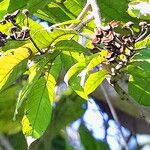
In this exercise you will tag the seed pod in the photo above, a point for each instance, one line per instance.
(2, 39)
(3, 22)
(25, 11)
(11, 17)
(129, 24)
(13, 29)
(143, 24)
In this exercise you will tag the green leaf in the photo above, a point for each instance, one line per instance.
(70, 45)
(144, 43)
(73, 8)
(70, 58)
(75, 83)
(139, 71)
(35, 73)
(76, 76)
(140, 64)
(56, 12)
(83, 64)
(115, 10)
(13, 44)
(18, 141)
(89, 142)
(12, 5)
(78, 67)
(139, 90)
(31, 5)
(94, 80)
(34, 5)
(52, 13)
(39, 104)
(45, 39)
(7, 106)
(12, 65)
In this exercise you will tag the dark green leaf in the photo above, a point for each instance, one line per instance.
(139, 90)
(139, 70)
(18, 141)
(89, 142)
(115, 10)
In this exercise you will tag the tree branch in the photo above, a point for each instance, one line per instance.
(96, 13)
(113, 112)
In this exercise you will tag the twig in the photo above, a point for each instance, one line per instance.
(80, 25)
(81, 15)
(113, 112)
(96, 13)
(32, 41)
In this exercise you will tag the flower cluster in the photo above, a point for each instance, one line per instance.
(116, 43)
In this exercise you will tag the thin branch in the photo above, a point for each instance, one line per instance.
(32, 41)
(113, 112)
(81, 15)
(84, 10)
(96, 13)
(80, 25)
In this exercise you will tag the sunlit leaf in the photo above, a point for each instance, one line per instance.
(39, 104)
(12, 65)
(75, 83)
(35, 73)
(78, 67)
(94, 80)
(70, 45)
(45, 39)
(68, 59)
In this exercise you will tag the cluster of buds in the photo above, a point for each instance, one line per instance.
(10, 17)
(2, 39)
(19, 34)
(115, 43)
(16, 32)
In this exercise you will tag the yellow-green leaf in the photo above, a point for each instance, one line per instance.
(12, 65)
(94, 80)
(39, 104)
